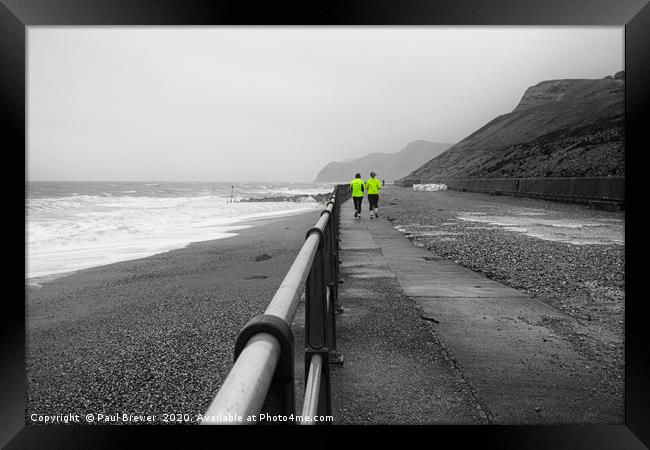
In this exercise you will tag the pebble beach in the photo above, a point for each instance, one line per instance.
(575, 263)
(153, 335)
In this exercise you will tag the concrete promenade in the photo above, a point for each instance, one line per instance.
(429, 341)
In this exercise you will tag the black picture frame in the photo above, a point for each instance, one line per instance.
(16, 15)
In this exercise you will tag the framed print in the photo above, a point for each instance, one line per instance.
(194, 180)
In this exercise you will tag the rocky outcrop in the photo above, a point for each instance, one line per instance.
(560, 128)
(323, 197)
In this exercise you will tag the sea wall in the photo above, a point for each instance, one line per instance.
(601, 192)
(406, 182)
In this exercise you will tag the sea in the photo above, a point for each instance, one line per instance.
(76, 225)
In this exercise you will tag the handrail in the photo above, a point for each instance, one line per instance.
(312, 388)
(262, 377)
(285, 300)
(244, 390)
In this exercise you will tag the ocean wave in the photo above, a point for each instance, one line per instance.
(73, 232)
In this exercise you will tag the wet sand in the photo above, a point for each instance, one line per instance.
(153, 335)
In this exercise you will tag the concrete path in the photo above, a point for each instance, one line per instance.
(394, 370)
(498, 340)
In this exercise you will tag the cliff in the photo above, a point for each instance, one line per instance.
(560, 128)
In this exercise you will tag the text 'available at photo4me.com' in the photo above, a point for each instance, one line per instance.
(114, 418)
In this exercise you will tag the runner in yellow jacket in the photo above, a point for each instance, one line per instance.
(357, 187)
(373, 185)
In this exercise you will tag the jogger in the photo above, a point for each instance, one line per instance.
(357, 187)
(373, 186)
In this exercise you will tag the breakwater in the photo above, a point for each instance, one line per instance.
(321, 198)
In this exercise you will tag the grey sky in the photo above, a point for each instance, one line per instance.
(277, 103)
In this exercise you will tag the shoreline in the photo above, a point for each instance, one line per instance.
(230, 230)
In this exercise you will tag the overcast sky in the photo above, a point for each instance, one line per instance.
(277, 103)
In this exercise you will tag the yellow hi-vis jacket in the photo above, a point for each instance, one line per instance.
(357, 187)
(373, 185)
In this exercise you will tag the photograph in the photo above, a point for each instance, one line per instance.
(172, 174)
(385, 225)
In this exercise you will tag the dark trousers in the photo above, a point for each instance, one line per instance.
(373, 199)
(357, 203)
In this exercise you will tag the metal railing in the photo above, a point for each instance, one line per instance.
(262, 377)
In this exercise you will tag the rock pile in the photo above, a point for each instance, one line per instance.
(322, 197)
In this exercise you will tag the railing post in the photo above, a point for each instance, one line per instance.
(317, 332)
(332, 249)
(320, 327)
(315, 300)
(336, 218)
(329, 261)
